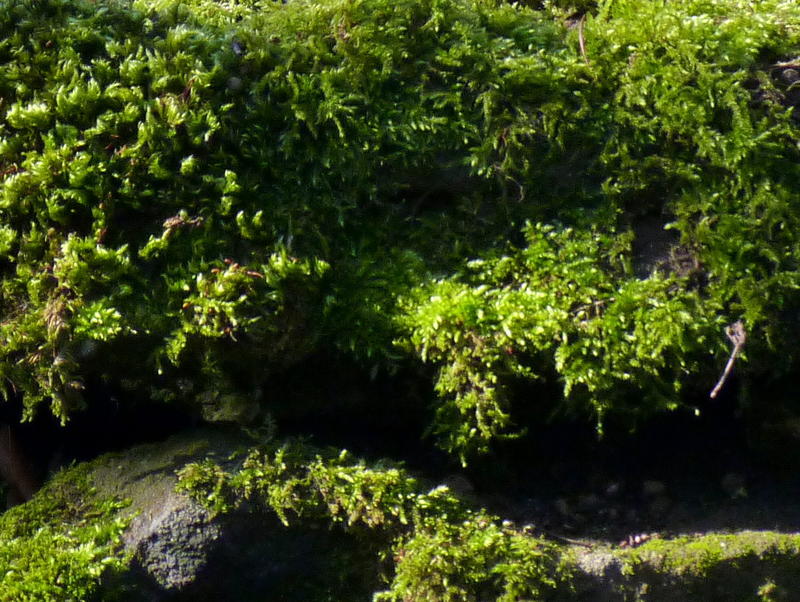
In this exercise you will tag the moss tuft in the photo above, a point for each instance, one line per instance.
(59, 545)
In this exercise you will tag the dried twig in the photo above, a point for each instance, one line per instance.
(737, 336)
(581, 40)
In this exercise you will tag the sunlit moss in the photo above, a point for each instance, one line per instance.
(60, 545)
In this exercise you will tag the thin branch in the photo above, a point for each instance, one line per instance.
(581, 40)
(737, 336)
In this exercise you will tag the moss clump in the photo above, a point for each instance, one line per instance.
(441, 549)
(216, 190)
(698, 556)
(378, 533)
(58, 546)
(435, 547)
(476, 559)
(746, 566)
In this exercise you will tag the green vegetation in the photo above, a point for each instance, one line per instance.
(217, 190)
(752, 565)
(442, 550)
(58, 546)
(562, 302)
(697, 557)
(571, 198)
(435, 547)
(418, 544)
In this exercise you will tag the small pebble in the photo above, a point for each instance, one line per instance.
(790, 76)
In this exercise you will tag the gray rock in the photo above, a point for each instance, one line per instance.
(180, 551)
(790, 76)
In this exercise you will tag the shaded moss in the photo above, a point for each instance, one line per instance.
(442, 549)
(371, 523)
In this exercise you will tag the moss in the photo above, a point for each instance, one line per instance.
(212, 192)
(748, 565)
(443, 550)
(697, 556)
(60, 544)
(66, 543)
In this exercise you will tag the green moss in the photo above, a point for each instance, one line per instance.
(438, 548)
(742, 566)
(215, 190)
(59, 545)
(697, 556)
(442, 549)
(384, 527)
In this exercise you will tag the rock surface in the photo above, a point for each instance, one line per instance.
(181, 552)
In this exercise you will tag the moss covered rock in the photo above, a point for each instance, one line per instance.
(183, 550)
(208, 514)
(745, 565)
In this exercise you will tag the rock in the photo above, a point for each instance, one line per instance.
(602, 565)
(180, 551)
(713, 566)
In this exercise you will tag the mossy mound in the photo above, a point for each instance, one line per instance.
(62, 543)
(745, 565)
(212, 191)
(526, 211)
